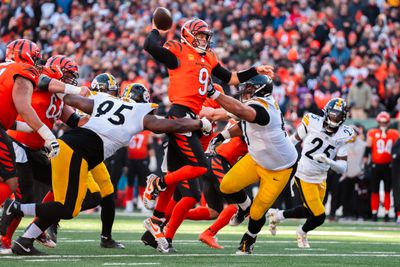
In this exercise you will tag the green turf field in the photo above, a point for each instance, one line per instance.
(333, 244)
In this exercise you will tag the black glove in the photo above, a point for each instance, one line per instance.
(216, 141)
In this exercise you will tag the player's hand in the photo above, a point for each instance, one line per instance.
(266, 70)
(85, 91)
(321, 158)
(153, 26)
(206, 126)
(52, 148)
(214, 143)
(211, 92)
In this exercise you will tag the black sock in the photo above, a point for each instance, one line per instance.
(91, 200)
(158, 214)
(297, 212)
(255, 226)
(238, 197)
(107, 215)
(313, 222)
(51, 211)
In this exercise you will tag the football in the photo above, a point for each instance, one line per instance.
(162, 18)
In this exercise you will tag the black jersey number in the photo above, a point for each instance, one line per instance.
(106, 106)
(319, 143)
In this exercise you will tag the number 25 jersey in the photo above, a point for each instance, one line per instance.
(317, 141)
(116, 121)
(189, 82)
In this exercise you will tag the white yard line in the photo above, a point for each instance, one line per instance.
(130, 264)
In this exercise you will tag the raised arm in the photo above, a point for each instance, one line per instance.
(234, 77)
(181, 125)
(82, 103)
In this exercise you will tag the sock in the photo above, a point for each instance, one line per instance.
(280, 215)
(141, 190)
(5, 192)
(163, 200)
(297, 212)
(250, 234)
(386, 202)
(107, 215)
(129, 193)
(223, 218)
(28, 209)
(255, 226)
(301, 231)
(169, 209)
(244, 205)
(33, 231)
(185, 173)
(198, 214)
(374, 202)
(49, 197)
(179, 214)
(398, 214)
(313, 222)
(12, 227)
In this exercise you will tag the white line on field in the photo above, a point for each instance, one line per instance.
(302, 249)
(44, 260)
(375, 252)
(130, 264)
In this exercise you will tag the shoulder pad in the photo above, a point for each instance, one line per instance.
(349, 134)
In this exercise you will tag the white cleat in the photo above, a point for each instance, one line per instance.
(5, 251)
(273, 220)
(151, 192)
(302, 241)
(154, 227)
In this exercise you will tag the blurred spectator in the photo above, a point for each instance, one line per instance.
(308, 106)
(340, 53)
(376, 107)
(360, 99)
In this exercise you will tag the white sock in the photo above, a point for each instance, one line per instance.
(300, 230)
(29, 209)
(245, 204)
(250, 234)
(33, 231)
(280, 215)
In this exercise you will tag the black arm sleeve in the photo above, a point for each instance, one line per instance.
(367, 151)
(262, 116)
(163, 55)
(73, 120)
(246, 75)
(222, 73)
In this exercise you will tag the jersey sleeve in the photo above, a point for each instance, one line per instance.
(174, 46)
(306, 121)
(142, 109)
(213, 59)
(27, 71)
(342, 151)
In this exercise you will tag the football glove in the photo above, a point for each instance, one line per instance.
(206, 126)
(215, 142)
(321, 158)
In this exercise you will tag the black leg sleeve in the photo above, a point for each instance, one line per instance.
(297, 212)
(107, 215)
(313, 222)
(255, 226)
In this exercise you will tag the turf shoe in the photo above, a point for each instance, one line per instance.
(208, 237)
(45, 240)
(239, 216)
(302, 241)
(11, 210)
(24, 246)
(246, 245)
(151, 192)
(154, 226)
(273, 220)
(5, 247)
(108, 242)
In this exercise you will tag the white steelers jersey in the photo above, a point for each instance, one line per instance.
(317, 141)
(116, 121)
(269, 145)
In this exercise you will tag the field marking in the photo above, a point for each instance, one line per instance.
(302, 249)
(50, 257)
(131, 263)
(375, 252)
(57, 260)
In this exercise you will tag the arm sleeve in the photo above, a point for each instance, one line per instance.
(262, 116)
(162, 54)
(342, 151)
(302, 131)
(222, 73)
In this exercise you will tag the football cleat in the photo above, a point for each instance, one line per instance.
(209, 238)
(154, 226)
(52, 232)
(11, 210)
(171, 248)
(45, 240)
(149, 240)
(273, 220)
(108, 242)
(302, 241)
(24, 246)
(239, 216)
(246, 245)
(5, 247)
(386, 218)
(151, 192)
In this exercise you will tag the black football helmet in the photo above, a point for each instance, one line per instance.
(105, 83)
(335, 114)
(136, 92)
(260, 85)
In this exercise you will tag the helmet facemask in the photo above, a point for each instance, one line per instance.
(333, 119)
(200, 39)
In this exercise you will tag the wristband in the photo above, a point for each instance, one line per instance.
(226, 134)
(73, 120)
(215, 95)
(72, 90)
(45, 133)
(43, 83)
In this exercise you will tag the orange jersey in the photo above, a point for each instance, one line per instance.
(137, 148)
(233, 150)
(382, 146)
(8, 72)
(188, 83)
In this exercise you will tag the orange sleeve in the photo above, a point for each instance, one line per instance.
(174, 46)
(214, 59)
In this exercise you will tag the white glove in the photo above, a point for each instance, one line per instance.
(153, 164)
(50, 141)
(321, 158)
(206, 127)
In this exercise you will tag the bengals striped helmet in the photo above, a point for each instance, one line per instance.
(23, 51)
(67, 67)
(197, 34)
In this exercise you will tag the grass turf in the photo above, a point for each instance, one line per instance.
(333, 244)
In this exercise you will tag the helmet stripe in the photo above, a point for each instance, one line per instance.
(61, 61)
(20, 49)
(110, 80)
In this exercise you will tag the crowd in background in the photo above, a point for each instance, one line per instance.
(320, 49)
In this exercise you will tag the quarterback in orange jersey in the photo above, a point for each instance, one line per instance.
(18, 77)
(190, 64)
(379, 145)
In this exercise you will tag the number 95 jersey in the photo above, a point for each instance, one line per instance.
(116, 121)
(317, 141)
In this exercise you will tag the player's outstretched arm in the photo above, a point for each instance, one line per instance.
(56, 86)
(181, 125)
(82, 103)
(234, 77)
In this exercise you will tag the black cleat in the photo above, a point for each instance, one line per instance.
(11, 210)
(386, 218)
(108, 242)
(246, 245)
(52, 232)
(149, 240)
(24, 246)
(171, 248)
(374, 217)
(239, 216)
